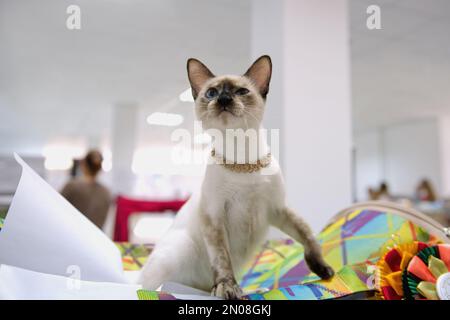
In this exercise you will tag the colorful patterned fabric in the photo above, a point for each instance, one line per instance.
(154, 295)
(351, 245)
(348, 280)
(134, 256)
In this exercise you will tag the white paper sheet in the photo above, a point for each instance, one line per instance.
(17, 283)
(183, 292)
(43, 232)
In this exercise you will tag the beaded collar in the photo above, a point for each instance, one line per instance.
(242, 167)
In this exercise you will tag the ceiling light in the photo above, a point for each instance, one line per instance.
(60, 157)
(165, 119)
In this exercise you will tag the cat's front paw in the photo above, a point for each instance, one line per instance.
(319, 267)
(227, 289)
(325, 272)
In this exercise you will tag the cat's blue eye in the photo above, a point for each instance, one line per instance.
(211, 93)
(242, 91)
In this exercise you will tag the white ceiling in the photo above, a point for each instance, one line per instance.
(401, 72)
(56, 82)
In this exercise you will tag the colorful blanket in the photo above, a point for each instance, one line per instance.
(134, 256)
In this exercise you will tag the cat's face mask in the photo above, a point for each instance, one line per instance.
(230, 102)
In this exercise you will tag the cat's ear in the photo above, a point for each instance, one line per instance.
(198, 74)
(260, 73)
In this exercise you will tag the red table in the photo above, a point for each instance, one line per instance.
(127, 206)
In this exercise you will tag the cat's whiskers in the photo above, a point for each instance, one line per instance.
(250, 114)
(245, 120)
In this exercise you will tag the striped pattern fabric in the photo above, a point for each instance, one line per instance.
(134, 256)
(153, 295)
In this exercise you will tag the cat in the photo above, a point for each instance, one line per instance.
(222, 225)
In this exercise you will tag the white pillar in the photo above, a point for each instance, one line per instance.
(444, 137)
(124, 132)
(310, 42)
(267, 28)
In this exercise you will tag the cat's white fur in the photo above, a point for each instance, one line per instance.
(182, 256)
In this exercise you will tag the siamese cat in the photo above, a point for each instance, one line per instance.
(221, 226)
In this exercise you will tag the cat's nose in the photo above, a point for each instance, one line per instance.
(224, 100)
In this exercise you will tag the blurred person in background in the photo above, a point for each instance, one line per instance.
(85, 193)
(425, 191)
(381, 194)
